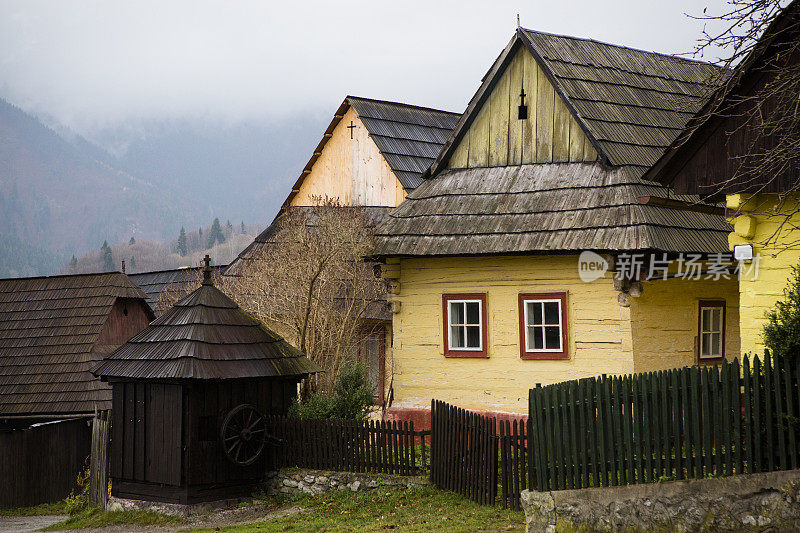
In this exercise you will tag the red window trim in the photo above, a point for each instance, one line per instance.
(484, 351)
(523, 353)
(700, 305)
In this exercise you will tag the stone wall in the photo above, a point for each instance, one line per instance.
(304, 481)
(742, 503)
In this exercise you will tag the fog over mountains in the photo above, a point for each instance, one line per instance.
(63, 194)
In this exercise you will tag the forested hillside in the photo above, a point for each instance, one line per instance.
(222, 241)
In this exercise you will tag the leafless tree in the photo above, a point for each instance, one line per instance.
(311, 283)
(771, 111)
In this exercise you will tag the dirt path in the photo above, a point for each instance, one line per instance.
(25, 524)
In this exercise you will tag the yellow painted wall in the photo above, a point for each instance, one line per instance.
(351, 170)
(664, 321)
(760, 225)
(599, 331)
(497, 137)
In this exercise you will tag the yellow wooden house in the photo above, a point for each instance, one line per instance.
(711, 159)
(372, 154)
(505, 261)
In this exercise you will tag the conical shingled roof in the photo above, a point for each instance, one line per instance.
(205, 336)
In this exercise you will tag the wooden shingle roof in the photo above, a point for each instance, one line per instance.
(545, 208)
(156, 282)
(630, 103)
(205, 336)
(48, 330)
(409, 137)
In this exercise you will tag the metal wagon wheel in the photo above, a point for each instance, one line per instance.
(243, 434)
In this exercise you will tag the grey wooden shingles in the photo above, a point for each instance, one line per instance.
(156, 282)
(539, 208)
(205, 336)
(48, 330)
(409, 137)
(635, 103)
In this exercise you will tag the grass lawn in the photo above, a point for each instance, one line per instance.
(102, 518)
(424, 509)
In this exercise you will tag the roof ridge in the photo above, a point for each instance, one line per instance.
(402, 104)
(55, 276)
(640, 50)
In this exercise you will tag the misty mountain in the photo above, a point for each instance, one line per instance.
(236, 171)
(61, 194)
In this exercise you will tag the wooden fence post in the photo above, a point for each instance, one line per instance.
(98, 463)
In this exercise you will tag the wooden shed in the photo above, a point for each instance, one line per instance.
(190, 398)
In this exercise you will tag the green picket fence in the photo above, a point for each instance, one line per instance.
(690, 422)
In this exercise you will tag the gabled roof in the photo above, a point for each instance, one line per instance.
(156, 282)
(48, 330)
(409, 137)
(777, 44)
(630, 103)
(543, 208)
(205, 336)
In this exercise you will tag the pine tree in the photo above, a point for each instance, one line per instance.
(200, 231)
(131, 242)
(244, 229)
(229, 227)
(133, 262)
(108, 258)
(73, 264)
(182, 243)
(215, 234)
(782, 331)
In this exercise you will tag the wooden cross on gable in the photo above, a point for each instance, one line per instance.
(351, 127)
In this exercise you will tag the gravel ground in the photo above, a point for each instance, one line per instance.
(24, 524)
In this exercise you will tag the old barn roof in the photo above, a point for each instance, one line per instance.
(630, 103)
(205, 336)
(409, 137)
(49, 327)
(543, 208)
(157, 282)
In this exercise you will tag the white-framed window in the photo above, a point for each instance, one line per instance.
(464, 324)
(543, 327)
(464, 318)
(711, 334)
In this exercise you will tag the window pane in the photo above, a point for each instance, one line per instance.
(704, 344)
(715, 319)
(529, 344)
(705, 319)
(538, 341)
(473, 313)
(552, 336)
(551, 313)
(473, 337)
(456, 312)
(534, 313)
(456, 336)
(716, 349)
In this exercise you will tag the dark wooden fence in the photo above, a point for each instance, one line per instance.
(41, 464)
(513, 461)
(464, 452)
(690, 422)
(347, 445)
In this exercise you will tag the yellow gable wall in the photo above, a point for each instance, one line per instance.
(599, 331)
(664, 321)
(497, 137)
(352, 171)
(759, 290)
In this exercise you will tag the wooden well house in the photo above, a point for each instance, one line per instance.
(191, 394)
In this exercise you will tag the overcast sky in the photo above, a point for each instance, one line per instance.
(91, 64)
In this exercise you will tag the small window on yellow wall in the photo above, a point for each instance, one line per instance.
(543, 325)
(711, 330)
(464, 325)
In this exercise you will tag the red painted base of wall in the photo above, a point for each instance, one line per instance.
(421, 416)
